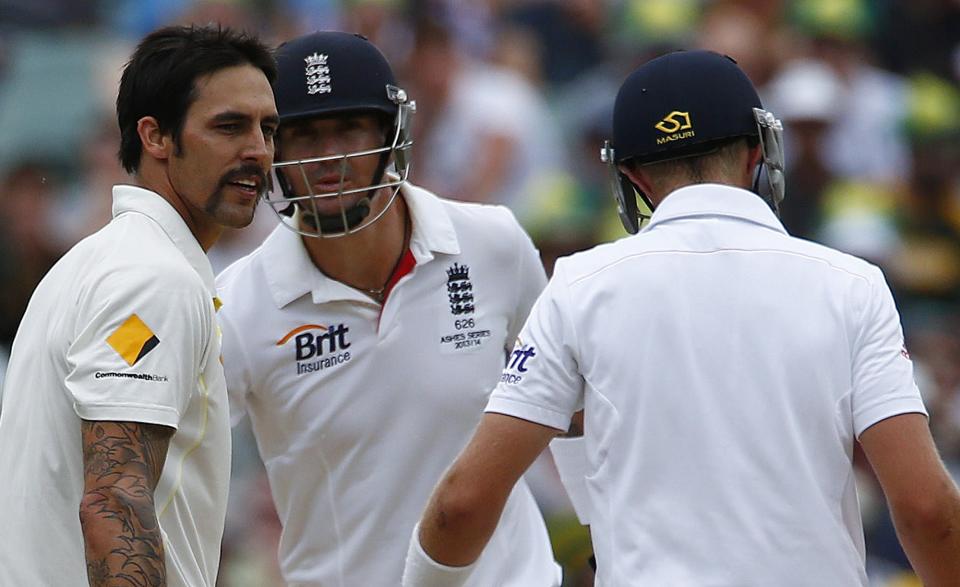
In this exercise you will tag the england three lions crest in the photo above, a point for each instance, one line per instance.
(463, 330)
(318, 74)
(460, 290)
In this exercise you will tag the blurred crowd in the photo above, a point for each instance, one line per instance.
(514, 101)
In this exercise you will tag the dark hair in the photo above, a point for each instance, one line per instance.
(159, 80)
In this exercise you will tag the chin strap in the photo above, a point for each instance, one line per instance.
(334, 222)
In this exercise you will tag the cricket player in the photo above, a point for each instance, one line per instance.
(114, 428)
(364, 336)
(725, 370)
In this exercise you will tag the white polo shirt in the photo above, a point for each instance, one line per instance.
(358, 409)
(725, 369)
(122, 328)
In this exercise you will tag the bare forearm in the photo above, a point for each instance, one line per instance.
(122, 540)
(466, 505)
(924, 500)
(121, 535)
(454, 531)
(933, 546)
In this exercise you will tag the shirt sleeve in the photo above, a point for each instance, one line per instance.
(235, 366)
(883, 384)
(140, 341)
(541, 381)
(530, 280)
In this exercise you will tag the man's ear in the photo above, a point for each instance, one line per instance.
(638, 176)
(754, 156)
(156, 143)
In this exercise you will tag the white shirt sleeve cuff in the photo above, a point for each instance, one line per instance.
(529, 412)
(869, 417)
(122, 412)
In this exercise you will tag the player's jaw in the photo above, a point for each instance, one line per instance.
(234, 200)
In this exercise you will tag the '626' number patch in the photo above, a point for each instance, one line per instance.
(461, 335)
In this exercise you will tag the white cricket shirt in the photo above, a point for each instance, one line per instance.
(358, 409)
(725, 369)
(122, 328)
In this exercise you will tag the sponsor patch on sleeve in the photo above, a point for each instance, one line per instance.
(133, 340)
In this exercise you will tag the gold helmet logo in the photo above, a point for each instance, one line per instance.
(673, 122)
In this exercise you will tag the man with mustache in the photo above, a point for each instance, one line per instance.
(114, 428)
(363, 336)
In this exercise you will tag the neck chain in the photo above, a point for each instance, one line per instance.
(378, 293)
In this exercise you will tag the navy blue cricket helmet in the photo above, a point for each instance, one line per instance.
(685, 104)
(332, 73)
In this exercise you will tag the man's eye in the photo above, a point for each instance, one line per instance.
(229, 127)
(269, 131)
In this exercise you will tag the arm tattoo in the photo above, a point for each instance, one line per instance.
(122, 464)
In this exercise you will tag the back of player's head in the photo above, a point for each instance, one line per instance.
(159, 80)
(330, 72)
(682, 104)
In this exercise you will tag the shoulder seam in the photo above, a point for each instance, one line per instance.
(716, 251)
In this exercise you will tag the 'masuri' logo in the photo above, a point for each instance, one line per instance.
(672, 124)
(459, 289)
(316, 352)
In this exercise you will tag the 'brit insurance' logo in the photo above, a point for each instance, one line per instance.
(318, 347)
(517, 363)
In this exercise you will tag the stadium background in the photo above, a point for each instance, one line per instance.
(514, 100)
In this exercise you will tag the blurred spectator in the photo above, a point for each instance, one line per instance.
(135, 18)
(470, 22)
(859, 217)
(657, 22)
(926, 270)
(292, 18)
(866, 142)
(382, 22)
(236, 14)
(518, 50)
(47, 13)
(28, 243)
(738, 30)
(48, 102)
(920, 35)
(88, 201)
(570, 32)
(935, 348)
(804, 95)
(484, 132)
(568, 211)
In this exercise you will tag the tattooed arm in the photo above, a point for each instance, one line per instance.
(122, 462)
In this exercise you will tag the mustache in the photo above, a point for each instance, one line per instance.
(245, 171)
